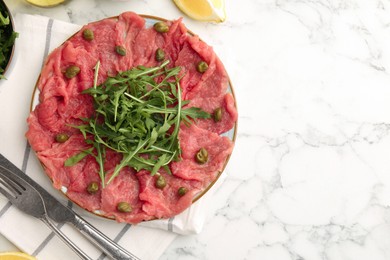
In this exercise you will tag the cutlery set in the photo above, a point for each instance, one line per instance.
(29, 197)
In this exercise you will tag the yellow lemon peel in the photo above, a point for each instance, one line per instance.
(203, 10)
(16, 256)
(45, 3)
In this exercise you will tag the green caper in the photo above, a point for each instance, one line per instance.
(124, 207)
(161, 27)
(62, 138)
(218, 114)
(202, 67)
(160, 55)
(182, 191)
(160, 182)
(72, 71)
(88, 35)
(202, 156)
(120, 50)
(93, 187)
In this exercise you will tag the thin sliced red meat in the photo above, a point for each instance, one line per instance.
(229, 112)
(187, 60)
(174, 39)
(193, 139)
(55, 87)
(48, 115)
(81, 175)
(144, 54)
(53, 159)
(164, 203)
(81, 58)
(214, 81)
(80, 106)
(128, 27)
(124, 188)
(104, 47)
(38, 138)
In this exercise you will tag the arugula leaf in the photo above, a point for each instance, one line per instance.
(138, 114)
(4, 20)
(78, 157)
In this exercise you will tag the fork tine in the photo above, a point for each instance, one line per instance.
(7, 194)
(12, 180)
(8, 187)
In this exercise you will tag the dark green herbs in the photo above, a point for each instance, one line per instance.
(138, 114)
(7, 39)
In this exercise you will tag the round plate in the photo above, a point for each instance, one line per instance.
(231, 134)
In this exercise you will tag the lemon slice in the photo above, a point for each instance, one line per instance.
(203, 10)
(45, 3)
(16, 256)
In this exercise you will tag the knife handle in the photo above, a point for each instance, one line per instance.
(109, 247)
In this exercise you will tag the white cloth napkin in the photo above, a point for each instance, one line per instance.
(38, 36)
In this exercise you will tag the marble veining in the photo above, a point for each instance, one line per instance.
(310, 174)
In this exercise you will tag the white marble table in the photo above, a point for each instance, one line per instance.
(310, 174)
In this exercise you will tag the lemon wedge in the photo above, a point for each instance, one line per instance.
(203, 10)
(16, 256)
(45, 3)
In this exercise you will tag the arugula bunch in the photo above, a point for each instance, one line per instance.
(7, 39)
(138, 114)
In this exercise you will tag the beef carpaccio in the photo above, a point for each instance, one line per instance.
(61, 105)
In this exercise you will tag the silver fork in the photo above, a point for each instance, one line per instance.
(27, 199)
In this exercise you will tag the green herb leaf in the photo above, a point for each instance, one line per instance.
(78, 157)
(7, 39)
(4, 20)
(138, 114)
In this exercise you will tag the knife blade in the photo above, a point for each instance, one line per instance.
(63, 214)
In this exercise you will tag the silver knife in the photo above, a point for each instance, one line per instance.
(62, 214)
